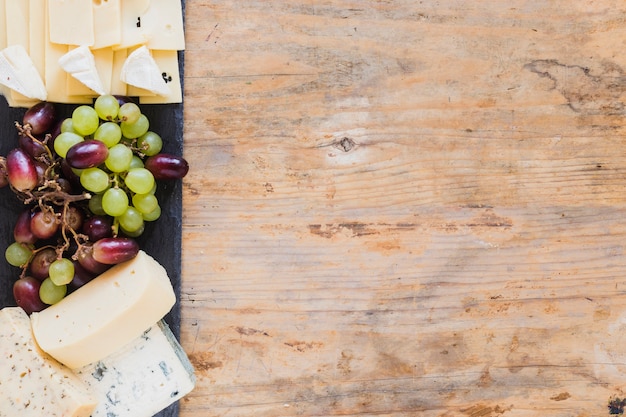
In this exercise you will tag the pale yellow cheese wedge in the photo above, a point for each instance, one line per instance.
(32, 384)
(106, 313)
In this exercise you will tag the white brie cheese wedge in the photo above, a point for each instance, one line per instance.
(18, 73)
(141, 70)
(81, 64)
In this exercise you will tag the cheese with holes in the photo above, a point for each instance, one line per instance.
(167, 61)
(141, 70)
(106, 313)
(162, 25)
(32, 384)
(142, 378)
(132, 33)
(18, 73)
(81, 64)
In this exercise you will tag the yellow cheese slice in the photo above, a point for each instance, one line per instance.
(162, 25)
(36, 35)
(71, 22)
(106, 23)
(104, 64)
(106, 313)
(118, 87)
(16, 23)
(130, 23)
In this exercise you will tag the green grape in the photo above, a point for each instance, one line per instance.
(85, 120)
(109, 133)
(17, 254)
(67, 125)
(131, 220)
(136, 233)
(50, 293)
(119, 158)
(150, 143)
(61, 271)
(114, 201)
(135, 129)
(94, 179)
(95, 205)
(153, 215)
(129, 112)
(136, 162)
(65, 141)
(145, 203)
(139, 180)
(107, 107)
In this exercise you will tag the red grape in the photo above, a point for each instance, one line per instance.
(166, 167)
(81, 276)
(98, 227)
(21, 230)
(41, 117)
(44, 224)
(113, 250)
(21, 170)
(26, 294)
(32, 147)
(74, 218)
(87, 154)
(40, 264)
(84, 255)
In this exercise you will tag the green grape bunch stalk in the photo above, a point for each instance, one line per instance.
(88, 186)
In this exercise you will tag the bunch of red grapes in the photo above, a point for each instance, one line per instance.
(88, 186)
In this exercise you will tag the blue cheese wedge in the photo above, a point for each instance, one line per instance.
(32, 384)
(141, 379)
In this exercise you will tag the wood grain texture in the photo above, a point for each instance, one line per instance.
(402, 208)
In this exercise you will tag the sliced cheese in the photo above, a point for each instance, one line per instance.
(162, 25)
(17, 22)
(142, 378)
(141, 70)
(36, 35)
(132, 32)
(71, 22)
(18, 73)
(106, 313)
(32, 384)
(107, 26)
(118, 87)
(80, 63)
(104, 64)
(167, 62)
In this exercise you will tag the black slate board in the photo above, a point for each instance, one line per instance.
(161, 239)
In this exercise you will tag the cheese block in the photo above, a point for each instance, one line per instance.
(142, 378)
(32, 384)
(141, 70)
(18, 73)
(106, 313)
(80, 63)
(71, 22)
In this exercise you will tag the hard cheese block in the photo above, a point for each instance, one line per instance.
(142, 378)
(32, 384)
(106, 313)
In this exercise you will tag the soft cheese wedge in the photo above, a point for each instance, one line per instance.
(142, 378)
(141, 70)
(81, 64)
(105, 314)
(19, 73)
(32, 384)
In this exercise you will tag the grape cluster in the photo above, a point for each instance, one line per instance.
(88, 186)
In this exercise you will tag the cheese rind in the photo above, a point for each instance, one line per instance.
(142, 378)
(106, 313)
(32, 384)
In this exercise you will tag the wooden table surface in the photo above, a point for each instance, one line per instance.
(405, 208)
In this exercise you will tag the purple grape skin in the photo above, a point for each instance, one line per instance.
(81, 276)
(41, 117)
(40, 264)
(26, 295)
(165, 166)
(21, 230)
(87, 154)
(98, 227)
(44, 225)
(21, 170)
(32, 147)
(85, 257)
(114, 250)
